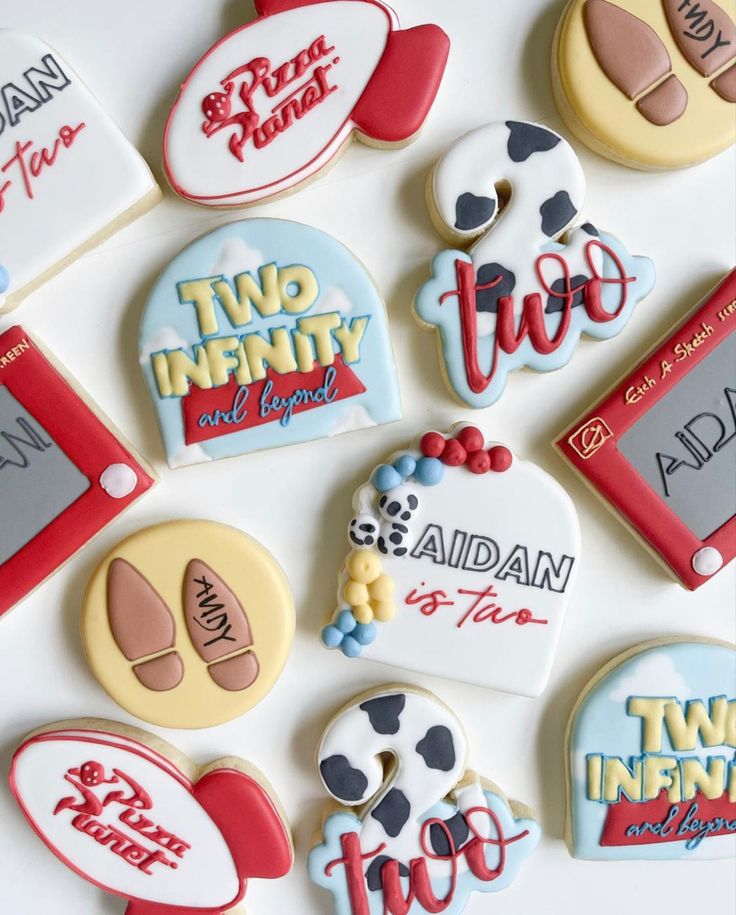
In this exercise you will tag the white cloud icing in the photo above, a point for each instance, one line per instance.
(653, 675)
(164, 338)
(237, 257)
(357, 417)
(189, 454)
(332, 299)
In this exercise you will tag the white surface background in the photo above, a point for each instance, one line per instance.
(297, 500)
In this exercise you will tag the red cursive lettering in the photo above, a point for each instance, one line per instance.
(29, 167)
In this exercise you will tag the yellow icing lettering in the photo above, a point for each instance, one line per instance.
(657, 775)
(304, 351)
(696, 722)
(349, 338)
(697, 777)
(161, 371)
(617, 777)
(594, 769)
(319, 327)
(264, 297)
(243, 374)
(276, 353)
(294, 303)
(220, 358)
(732, 782)
(200, 293)
(730, 738)
(651, 711)
(182, 369)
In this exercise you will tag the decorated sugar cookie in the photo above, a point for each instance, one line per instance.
(648, 83)
(68, 176)
(414, 823)
(271, 105)
(65, 472)
(188, 624)
(660, 447)
(265, 333)
(519, 286)
(462, 560)
(650, 755)
(138, 819)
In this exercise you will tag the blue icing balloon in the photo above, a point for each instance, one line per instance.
(350, 647)
(429, 471)
(364, 633)
(386, 477)
(345, 621)
(331, 637)
(405, 464)
(4, 279)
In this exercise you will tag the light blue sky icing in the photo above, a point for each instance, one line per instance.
(444, 316)
(684, 670)
(340, 823)
(344, 286)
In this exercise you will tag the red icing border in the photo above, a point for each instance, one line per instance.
(617, 480)
(86, 441)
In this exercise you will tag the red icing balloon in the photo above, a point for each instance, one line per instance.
(454, 454)
(471, 438)
(500, 458)
(479, 461)
(432, 444)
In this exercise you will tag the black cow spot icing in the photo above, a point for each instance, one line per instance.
(342, 780)
(557, 303)
(557, 212)
(373, 877)
(590, 229)
(437, 748)
(384, 713)
(458, 830)
(472, 211)
(392, 812)
(412, 501)
(487, 299)
(525, 139)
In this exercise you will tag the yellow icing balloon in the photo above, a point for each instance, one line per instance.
(363, 613)
(384, 610)
(355, 593)
(364, 566)
(382, 588)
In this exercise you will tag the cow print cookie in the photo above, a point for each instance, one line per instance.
(68, 176)
(270, 106)
(136, 818)
(648, 83)
(521, 290)
(462, 560)
(188, 624)
(413, 823)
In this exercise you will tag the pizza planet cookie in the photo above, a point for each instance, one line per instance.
(135, 817)
(65, 471)
(519, 285)
(188, 624)
(648, 83)
(414, 824)
(660, 447)
(650, 755)
(68, 176)
(265, 333)
(462, 561)
(271, 105)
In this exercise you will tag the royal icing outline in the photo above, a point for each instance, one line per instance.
(648, 84)
(136, 818)
(651, 485)
(264, 333)
(188, 624)
(68, 176)
(520, 295)
(269, 106)
(425, 825)
(65, 472)
(463, 559)
(650, 755)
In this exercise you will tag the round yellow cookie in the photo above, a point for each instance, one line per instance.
(188, 624)
(648, 83)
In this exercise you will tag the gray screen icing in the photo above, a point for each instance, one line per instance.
(685, 446)
(37, 480)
